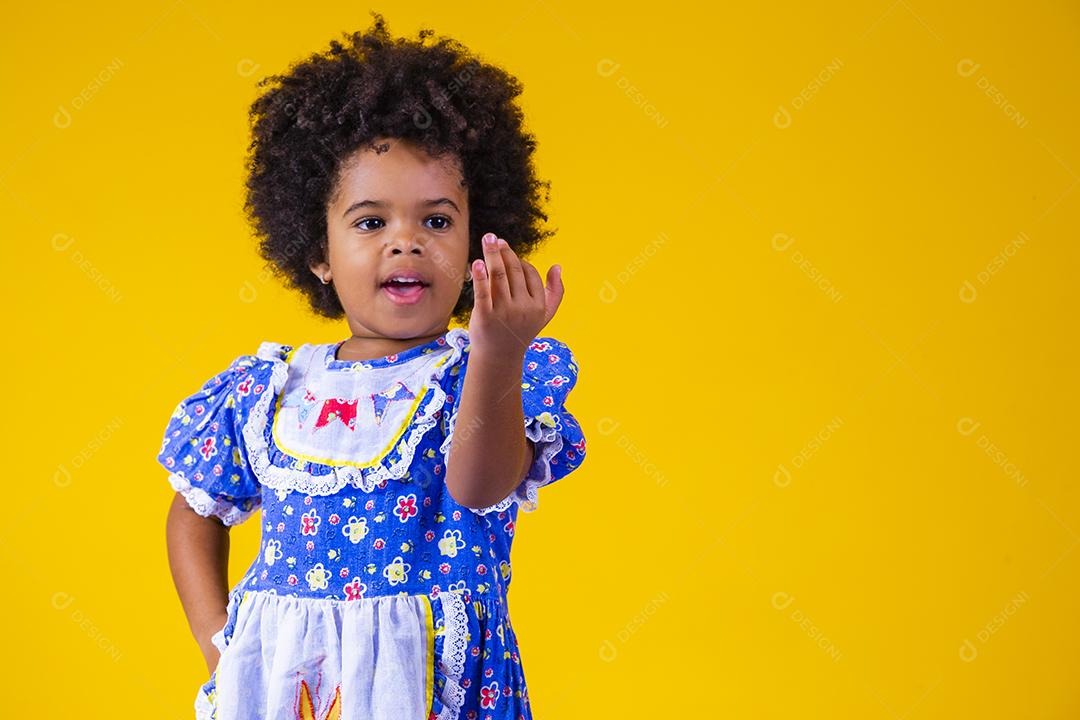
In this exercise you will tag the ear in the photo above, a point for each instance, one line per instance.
(321, 270)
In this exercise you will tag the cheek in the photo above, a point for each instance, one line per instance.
(352, 257)
(460, 252)
(451, 261)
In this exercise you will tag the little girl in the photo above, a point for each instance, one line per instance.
(387, 469)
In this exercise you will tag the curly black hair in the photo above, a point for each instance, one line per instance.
(437, 95)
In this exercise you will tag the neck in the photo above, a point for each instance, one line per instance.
(370, 347)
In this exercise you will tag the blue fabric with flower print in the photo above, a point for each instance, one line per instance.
(362, 544)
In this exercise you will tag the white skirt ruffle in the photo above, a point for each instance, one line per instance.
(375, 658)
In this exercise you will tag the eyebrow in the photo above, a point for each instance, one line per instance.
(382, 203)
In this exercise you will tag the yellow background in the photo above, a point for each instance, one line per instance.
(821, 283)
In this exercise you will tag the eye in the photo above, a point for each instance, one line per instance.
(445, 222)
(361, 221)
(444, 219)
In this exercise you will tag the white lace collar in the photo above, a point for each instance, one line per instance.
(325, 423)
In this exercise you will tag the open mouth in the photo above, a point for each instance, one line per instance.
(404, 292)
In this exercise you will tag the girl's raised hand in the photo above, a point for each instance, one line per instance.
(511, 304)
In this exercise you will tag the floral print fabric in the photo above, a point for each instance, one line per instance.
(343, 462)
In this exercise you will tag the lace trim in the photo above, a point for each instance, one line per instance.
(547, 441)
(204, 707)
(452, 660)
(365, 479)
(206, 505)
(526, 494)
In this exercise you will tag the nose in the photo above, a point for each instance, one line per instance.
(405, 240)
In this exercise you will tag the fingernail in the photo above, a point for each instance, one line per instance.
(478, 265)
(489, 238)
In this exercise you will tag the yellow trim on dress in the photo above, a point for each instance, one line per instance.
(331, 461)
(430, 665)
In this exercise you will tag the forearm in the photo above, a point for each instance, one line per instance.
(489, 454)
(198, 549)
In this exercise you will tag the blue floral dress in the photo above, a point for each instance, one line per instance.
(375, 594)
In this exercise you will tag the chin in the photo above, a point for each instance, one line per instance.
(406, 324)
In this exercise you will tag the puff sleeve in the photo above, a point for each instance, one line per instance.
(203, 449)
(549, 372)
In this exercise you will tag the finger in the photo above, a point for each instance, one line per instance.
(553, 292)
(496, 271)
(515, 276)
(533, 281)
(481, 287)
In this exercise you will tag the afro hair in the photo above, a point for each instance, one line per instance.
(430, 91)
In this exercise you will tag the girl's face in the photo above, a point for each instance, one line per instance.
(397, 211)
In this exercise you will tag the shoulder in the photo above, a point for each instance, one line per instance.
(268, 356)
(273, 351)
(244, 375)
(549, 372)
(547, 355)
(265, 370)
